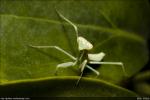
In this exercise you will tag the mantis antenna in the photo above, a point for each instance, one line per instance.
(74, 26)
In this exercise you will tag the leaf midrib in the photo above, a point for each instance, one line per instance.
(62, 78)
(114, 31)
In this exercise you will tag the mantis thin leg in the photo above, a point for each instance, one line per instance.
(83, 65)
(57, 48)
(92, 69)
(67, 20)
(111, 63)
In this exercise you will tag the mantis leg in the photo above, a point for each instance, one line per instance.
(57, 48)
(83, 65)
(92, 69)
(64, 65)
(111, 63)
(67, 20)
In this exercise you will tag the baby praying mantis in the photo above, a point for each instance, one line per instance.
(84, 58)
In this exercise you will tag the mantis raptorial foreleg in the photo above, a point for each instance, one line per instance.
(64, 65)
(82, 67)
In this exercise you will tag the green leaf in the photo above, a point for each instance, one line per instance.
(132, 15)
(63, 86)
(112, 27)
(142, 83)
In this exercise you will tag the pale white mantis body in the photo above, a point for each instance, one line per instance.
(84, 58)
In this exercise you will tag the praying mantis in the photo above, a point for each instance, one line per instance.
(85, 58)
